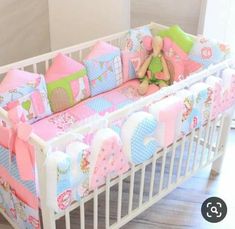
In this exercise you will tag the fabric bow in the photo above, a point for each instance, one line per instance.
(18, 143)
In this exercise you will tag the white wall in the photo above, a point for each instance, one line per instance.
(183, 12)
(218, 20)
(76, 21)
(24, 29)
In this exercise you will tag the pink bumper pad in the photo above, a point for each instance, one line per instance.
(100, 104)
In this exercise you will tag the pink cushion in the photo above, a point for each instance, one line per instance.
(180, 66)
(4, 136)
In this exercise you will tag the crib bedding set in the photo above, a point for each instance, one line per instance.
(71, 93)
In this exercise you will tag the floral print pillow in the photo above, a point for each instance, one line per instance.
(207, 52)
(27, 93)
(135, 47)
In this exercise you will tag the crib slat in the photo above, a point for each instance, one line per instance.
(190, 151)
(46, 65)
(67, 220)
(119, 210)
(196, 149)
(219, 135)
(172, 163)
(152, 176)
(211, 138)
(35, 69)
(162, 169)
(179, 169)
(107, 205)
(80, 55)
(132, 178)
(206, 140)
(82, 215)
(142, 185)
(95, 226)
(207, 136)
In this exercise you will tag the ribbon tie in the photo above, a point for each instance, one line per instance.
(18, 143)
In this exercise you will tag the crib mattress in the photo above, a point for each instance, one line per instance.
(100, 104)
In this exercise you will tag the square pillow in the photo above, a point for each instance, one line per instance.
(134, 41)
(131, 62)
(67, 83)
(207, 52)
(177, 35)
(180, 66)
(27, 93)
(104, 68)
(135, 47)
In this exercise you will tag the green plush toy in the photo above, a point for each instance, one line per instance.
(154, 70)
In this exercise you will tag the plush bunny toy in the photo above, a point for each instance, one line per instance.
(154, 70)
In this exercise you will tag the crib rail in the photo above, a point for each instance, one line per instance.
(77, 52)
(128, 195)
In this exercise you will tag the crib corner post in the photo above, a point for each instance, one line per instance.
(226, 124)
(48, 219)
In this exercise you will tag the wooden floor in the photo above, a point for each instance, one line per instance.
(181, 208)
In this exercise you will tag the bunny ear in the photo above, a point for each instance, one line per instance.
(147, 42)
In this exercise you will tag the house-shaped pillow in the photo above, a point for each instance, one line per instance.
(136, 45)
(26, 92)
(104, 68)
(67, 83)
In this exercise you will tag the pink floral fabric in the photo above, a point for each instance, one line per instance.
(180, 66)
(109, 158)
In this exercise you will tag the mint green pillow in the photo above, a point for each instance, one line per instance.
(177, 35)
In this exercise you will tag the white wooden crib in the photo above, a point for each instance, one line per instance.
(175, 164)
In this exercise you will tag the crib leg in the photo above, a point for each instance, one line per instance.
(217, 166)
(227, 120)
(48, 220)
